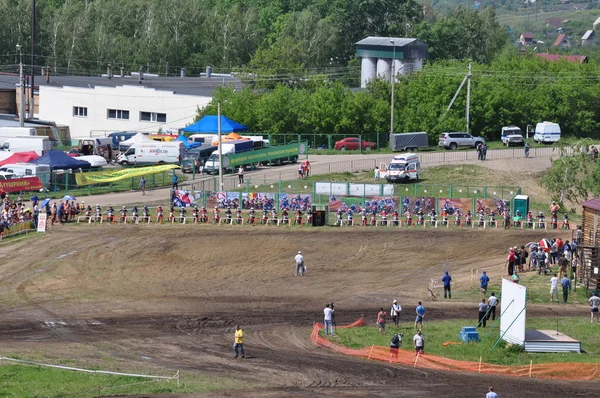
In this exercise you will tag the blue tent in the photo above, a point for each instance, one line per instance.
(209, 124)
(188, 145)
(59, 160)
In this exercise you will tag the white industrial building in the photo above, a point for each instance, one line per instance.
(96, 106)
(379, 53)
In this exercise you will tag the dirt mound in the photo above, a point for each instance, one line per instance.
(174, 293)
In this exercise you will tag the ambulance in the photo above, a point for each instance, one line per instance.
(404, 168)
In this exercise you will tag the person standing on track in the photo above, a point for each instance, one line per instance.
(299, 259)
(483, 283)
(381, 321)
(328, 320)
(420, 311)
(447, 289)
(395, 312)
(239, 342)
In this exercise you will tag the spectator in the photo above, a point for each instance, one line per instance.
(395, 312)
(594, 303)
(492, 303)
(491, 393)
(419, 343)
(566, 286)
(241, 174)
(510, 261)
(420, 310)
(328, 320)
(554, 288)
(175, 181)
(239, 342)
(483, 307)
(483, 283)
(377, 174)
(381, 321)
(447, 289)
(143, 185)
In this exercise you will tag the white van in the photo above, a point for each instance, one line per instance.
(37, 144)
(404, 168)
(547, 132)
(21, 170)
(153, 152)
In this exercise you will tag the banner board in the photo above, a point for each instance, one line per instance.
(264, 155)
(42, 218)
(21, 184)
(97, 177)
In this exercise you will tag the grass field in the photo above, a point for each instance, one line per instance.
(34, 381)
(437, 332)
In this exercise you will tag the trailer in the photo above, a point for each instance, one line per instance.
(409, 141)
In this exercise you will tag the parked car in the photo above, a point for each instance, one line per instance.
(352, 143)
(512, 135)
(456, 140)
(73, 152)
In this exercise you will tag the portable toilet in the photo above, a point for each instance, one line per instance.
(521, 203)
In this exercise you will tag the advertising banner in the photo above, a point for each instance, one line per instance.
(375, 204)
(42, 218)
(294, 202)
(413, 204)
(264, 155)
(453, 205)
(223, 200)
(21, 184)
(97, 177)
(488, 206)
(183, 198)
(258, 201)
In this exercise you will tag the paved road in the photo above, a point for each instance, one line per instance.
(325, 164)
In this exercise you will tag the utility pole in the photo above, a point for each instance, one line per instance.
(468, 97)
(22, 93)
(393, 81)
(220, 146)
(32, 100)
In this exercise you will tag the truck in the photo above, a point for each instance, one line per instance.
(403, 168)
(100, 146)
(23, 170)
(155, 152)
(512, 135)
(228, 148)
(547, 132)
(196, 154)
(409, 141)
(16, 131)
(37, 144)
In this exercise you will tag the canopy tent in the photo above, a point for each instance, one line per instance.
(230, 137)
(188, 144)
(209, 124)
(136, 139)
(59, 160)
(20, 157)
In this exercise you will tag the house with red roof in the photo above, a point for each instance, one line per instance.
(561, 41)
(579, 59)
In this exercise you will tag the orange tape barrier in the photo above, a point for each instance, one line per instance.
(559, 371)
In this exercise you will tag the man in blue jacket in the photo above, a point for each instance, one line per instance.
(447, 289)
(484, 280)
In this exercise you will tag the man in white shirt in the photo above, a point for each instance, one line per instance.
(554, 288)
(492, 303)
(594, 303)
(395, 312)
(299, 259)
(419, 342)
(491, 393)
(328, 320)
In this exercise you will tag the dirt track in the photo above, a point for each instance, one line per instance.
(173, 294)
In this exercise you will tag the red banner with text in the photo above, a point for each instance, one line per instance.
(21, 184)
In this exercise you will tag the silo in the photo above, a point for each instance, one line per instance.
(399, 69)
(368, 71)
(384, 69)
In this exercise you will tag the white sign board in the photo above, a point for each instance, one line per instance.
(323, 188)
(42, 218)
(388, 190)
(373, 189)
(512, 308)
(357, 189)
(339, 188)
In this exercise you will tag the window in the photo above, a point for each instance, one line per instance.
(28, 172)
(80, 111)
(153, 117)
(117, 114)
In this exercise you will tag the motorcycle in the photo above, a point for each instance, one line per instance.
(309, 218)
(203, 216)
(457, 221)
(110, 215)
(274, 217)
(492, 220)
(98, 214)
(123, 216)
(421, 219)
(159, 215)
(284, 218)
(228, 217)
(480, 220)
(517, 221)
(338, 220)
(216, 217)
(196, 215)
(444, 220)
(529, 221)
(565, 223)
(146, 213)
(172, 215)
(541, 223)
(373, 219)
(298, 219)
(554, 221)
(384, 221)
(468, 220)
(350, 219)
(134, 215)
(252, 217)
(395, 220)
(238, 217)
(182, 215)
(264, 218)
(432, 219)
(363, 219)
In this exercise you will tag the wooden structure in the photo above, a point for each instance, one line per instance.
(588, 244)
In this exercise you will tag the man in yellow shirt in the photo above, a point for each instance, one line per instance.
(239, 342)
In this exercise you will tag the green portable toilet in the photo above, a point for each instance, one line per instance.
(521, 203)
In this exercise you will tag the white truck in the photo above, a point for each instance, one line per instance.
(403, 168)
(16, 131)
(22, 170)
(155, 152)
(37, 144)
(227, 148)
(512, 135)
(547, 133)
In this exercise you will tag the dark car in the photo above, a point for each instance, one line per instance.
(352, 144)
(199, 154)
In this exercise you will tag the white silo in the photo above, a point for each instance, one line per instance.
(384, 69)
(399, 69)
(368, 71)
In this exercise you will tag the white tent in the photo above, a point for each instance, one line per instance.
(136, 139)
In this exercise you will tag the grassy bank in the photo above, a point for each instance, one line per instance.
(438, 332)
(34, 381)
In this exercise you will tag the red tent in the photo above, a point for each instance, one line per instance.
(20, 157)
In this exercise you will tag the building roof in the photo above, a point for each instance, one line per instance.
(385, 41)
(588, 35)
(560, 39)
(527, 35)
(592, 204)
(200, 86)
(556, 22)
(580, 59)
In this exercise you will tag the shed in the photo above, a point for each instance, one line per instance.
(588, 244)
(561, 41)
(588, 37)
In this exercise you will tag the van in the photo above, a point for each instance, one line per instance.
(547, 132)
(20, 170)
(404, 168)
(37, 144)
(153, 152)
